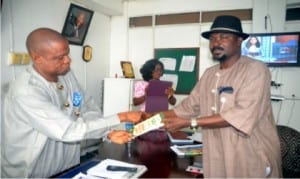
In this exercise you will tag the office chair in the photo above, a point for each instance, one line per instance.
(290, 151)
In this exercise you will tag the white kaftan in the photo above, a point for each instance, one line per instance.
(44, 123)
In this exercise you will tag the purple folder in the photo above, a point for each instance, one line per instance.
(156, 99)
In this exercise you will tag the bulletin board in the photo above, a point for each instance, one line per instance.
(185, 66)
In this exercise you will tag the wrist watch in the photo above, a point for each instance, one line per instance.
(194, 123)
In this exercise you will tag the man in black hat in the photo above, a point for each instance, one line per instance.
(231, 103)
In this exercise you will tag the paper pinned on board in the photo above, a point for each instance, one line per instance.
(187, 63)
(169, 63)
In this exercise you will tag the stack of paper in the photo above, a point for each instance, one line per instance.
(179, 137)
(197, 136)
(187, 150)
(100, 170)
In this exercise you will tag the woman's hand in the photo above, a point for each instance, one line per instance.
(170, 93)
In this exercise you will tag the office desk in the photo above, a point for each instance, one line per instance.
(153, 151)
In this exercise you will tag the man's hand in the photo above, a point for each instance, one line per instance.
(119, 136)
(134, 116)
(130, 116)
(175, 123)
(147, 115)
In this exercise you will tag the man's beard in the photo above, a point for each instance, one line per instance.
(221, 58)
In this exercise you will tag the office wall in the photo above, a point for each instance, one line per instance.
(137, 45)
(113, 41)
(19, 17)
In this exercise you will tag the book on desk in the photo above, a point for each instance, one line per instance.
(187, 150)
(180, 137)
(184, 137)
(186, 143)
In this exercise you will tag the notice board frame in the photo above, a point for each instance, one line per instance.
(186, 80)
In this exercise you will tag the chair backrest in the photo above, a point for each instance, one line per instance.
(290, 151)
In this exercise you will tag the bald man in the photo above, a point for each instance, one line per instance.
(47, 113)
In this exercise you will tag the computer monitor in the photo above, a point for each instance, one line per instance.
(274, 49)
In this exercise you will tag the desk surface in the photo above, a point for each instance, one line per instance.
(151, 149)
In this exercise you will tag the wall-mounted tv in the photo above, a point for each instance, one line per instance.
(274, 49)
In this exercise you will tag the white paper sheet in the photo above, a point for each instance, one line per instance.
(197, 136)
(100, 170)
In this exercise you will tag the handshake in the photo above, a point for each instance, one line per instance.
(141, 127)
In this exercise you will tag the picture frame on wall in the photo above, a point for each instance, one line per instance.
(76, 24)
(127, 69)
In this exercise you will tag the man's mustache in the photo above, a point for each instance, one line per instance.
(217, 48)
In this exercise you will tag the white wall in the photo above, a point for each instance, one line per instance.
(113, 41)
(20, 17)
(139, 43)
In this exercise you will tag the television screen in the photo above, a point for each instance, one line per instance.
(275, 49)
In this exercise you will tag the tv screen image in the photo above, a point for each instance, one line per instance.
(274, 49)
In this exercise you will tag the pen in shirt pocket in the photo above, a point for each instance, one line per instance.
(225, 89)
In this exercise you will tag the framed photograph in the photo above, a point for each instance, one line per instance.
(77, 24)
(127, 69)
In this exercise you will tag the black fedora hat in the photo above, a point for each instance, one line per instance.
(226, 23)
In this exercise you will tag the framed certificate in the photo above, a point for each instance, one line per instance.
(127, 69)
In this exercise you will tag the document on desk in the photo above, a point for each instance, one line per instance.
(100, 170)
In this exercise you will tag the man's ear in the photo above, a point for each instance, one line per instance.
(240, 41)
(36, 58)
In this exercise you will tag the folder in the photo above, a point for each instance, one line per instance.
(179, 137)
(156, 99)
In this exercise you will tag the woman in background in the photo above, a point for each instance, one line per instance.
(152, 147)
(153, 69)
